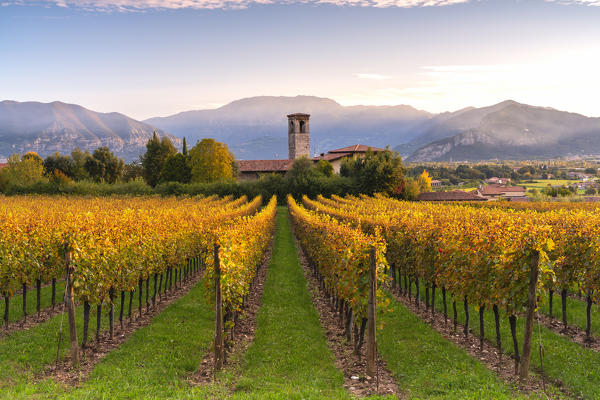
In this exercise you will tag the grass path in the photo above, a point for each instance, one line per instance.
(15, 312)
(25, 353)
(428, 366)
(576, 312)
(565, 361)
(289, 358)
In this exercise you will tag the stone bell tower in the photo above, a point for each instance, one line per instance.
(298, 135)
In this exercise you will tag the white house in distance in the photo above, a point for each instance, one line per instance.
(299, 145)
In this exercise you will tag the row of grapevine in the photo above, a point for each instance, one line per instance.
(487, 257)
(342, 258)
(109, 245)
(239, 249)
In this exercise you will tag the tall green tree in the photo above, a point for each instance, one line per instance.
(79, 158)
(157, 153)
(25, 170)
(176, 169)
(104, 166)
(58, 162)
(211, 161)
(184, 151)
(376, 172)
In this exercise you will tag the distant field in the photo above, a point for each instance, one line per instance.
(540, 184)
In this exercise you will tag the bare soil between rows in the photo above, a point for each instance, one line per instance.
(244, 330)
(503, 366)
(64, 373)
(353, 367)
(574, 333)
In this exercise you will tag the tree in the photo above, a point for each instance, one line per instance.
(57, 162)
(24, 170)
(104, 166)
(410, 190)
(133, 171)
(424, 182)
(376, 172)
(325, 167)
(157, 152)
(79, 158)
(590, 190)
(211, 161)
(184, 148)
(176, 169)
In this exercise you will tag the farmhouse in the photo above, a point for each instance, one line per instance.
(455, 195)
(335, 157)
(496, 191)
(298, 146)
(495, 180)
(436, 183)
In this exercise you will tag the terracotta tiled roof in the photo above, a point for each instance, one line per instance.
(332, 156)
(491, 190)
(264, 165)
(357, 148)
(456, 195)
(2, 165)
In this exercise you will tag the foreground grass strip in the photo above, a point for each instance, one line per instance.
(25, 353)
(156, 360)
(576, 312)
(427, 366)
(15, 312)
(565, 362)
(289, 358)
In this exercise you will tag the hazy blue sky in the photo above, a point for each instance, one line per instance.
(157, 57)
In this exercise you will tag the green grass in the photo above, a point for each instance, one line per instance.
(289, 358)
(428, 366)
(576, 312)
(567, 362)
(25, 353)
(15, 305)
(157, 359)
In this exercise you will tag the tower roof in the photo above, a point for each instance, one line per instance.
(298, 115)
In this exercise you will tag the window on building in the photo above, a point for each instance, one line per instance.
(302, 126)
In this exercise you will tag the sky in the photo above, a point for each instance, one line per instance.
(148, 58)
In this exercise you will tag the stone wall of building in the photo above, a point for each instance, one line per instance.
(298, 135)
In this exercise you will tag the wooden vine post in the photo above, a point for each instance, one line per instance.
(372, 313)
(531, 304)
(219, 340)
(69, 304)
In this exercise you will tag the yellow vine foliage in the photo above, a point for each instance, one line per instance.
(115, 241)
(341, 253)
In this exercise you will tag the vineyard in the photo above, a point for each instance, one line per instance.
(388, 282)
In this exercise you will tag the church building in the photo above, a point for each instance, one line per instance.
(298, 146)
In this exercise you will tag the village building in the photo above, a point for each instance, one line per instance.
(435, 183)
(299, 146)
(454, 195)
(335, 157)
(3, 165)
(497, 191)
(495, 180)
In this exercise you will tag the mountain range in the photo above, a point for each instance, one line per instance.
(59, 127)
(256, 128)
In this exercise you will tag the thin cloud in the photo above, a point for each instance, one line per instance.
(376, 77)
(140, 5)
(578, 2)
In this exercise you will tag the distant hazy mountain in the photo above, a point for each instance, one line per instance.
(508, 130)
(256, 127)
(49, 127)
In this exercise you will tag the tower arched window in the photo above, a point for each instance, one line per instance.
(302, 127)
(292, 126)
